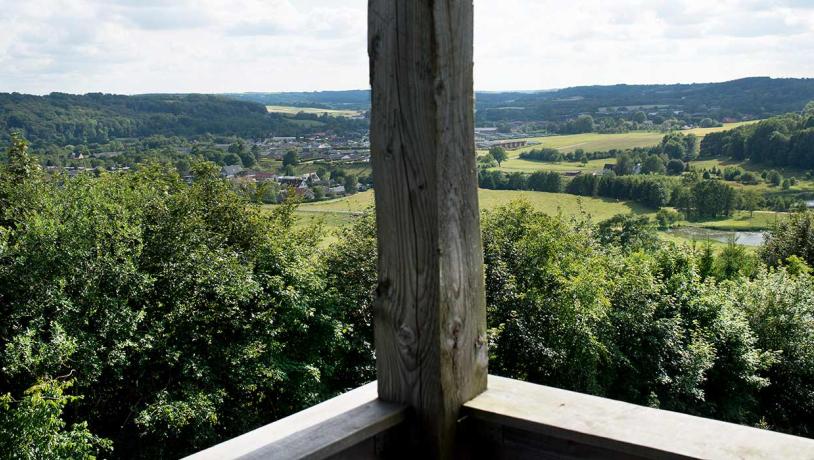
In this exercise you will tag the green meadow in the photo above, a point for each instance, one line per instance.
(597, 209)
(592, 142)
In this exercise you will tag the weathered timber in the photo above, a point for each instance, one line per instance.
(343, 427)
(430, 315)
(516, 420)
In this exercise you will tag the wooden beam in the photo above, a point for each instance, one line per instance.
(533, 421)
(330, 429)
(430, 314)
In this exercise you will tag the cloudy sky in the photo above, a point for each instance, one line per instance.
(138, 46)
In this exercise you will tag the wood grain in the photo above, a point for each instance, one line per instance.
(430, 315)
(543, 422)
(322, 431)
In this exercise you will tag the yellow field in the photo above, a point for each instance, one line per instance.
(287, 110)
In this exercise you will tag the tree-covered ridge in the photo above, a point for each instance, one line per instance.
(64, 119)
(786, 140)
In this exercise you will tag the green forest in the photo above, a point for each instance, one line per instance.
(146, 317)
(60, 119)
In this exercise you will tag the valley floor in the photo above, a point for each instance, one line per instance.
(341, 211)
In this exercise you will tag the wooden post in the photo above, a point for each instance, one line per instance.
(430, 315)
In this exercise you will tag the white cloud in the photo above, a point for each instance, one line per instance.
(134, 46)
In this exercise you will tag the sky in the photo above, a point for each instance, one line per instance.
(216, 46)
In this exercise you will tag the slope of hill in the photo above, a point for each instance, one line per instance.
(98, 118)
(353, 100)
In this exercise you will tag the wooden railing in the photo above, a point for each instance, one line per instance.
(511, 420)
(348, 424)
(430, 312)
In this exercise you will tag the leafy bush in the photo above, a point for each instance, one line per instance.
(666, 218)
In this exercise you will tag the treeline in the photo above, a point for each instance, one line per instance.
(652, 191)
(786, 140)
(540, 181)
(553, 155)
(145, 317)
(694, 196)
(63, 119)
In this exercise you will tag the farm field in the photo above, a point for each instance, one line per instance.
(551, 203)
(287, 110)
(592, 142)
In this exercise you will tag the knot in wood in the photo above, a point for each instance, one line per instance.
(406, 336)
(454, 332)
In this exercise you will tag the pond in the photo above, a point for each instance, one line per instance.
(701, 234)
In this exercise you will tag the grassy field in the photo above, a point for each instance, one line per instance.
(551, 203)
(592, 142)
(286, 110)
(742, 221)
(528, 166)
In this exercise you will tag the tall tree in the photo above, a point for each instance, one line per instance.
(499, 154)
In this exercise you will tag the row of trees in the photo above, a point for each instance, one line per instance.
(653, 191)
(694, 196)
(540, 181)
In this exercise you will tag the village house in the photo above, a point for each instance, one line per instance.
(231, 171)
(338, 190)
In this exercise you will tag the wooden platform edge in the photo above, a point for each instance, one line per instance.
(626, 429)
(320, 431)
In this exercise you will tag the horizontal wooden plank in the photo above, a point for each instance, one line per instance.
(321, 431)
(626, 429)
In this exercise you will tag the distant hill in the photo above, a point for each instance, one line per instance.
(748, 98)
(353, 99)
(98, 118)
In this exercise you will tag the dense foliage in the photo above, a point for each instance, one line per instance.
(609, 310)
(180, 314)
(145, 317)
